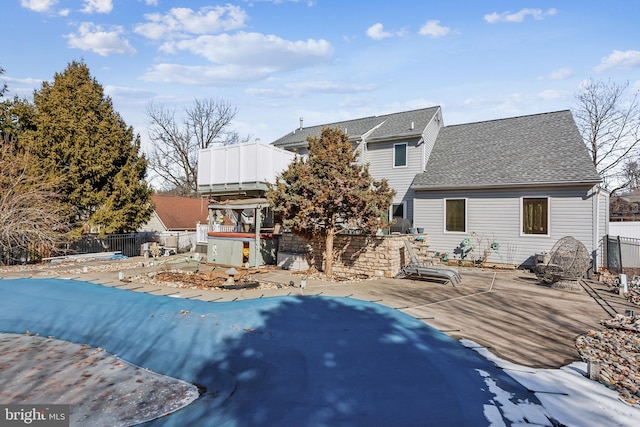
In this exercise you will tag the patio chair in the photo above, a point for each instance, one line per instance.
(419, 269)
(568, 260)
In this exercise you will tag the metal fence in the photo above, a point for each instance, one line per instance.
(619, 254)
(127, 244)
(13, 256)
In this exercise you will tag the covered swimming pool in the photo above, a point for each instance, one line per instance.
(286, 361)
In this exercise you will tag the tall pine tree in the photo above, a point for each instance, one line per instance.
(80, 137)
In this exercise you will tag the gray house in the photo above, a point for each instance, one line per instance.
(396, 147)
(522, 182)
(508, 188)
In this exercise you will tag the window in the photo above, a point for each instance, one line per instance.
(455, 215)
(398, 218)
(535, 216)
(399, 155)
(397, 211)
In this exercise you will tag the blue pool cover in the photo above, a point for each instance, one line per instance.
(280, 361)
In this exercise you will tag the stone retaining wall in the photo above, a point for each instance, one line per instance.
(355, 254)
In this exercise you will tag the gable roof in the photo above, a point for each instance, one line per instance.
(384, 127)
(180, 213)
(534, 150)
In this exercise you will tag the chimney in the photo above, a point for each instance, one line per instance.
(301, 122)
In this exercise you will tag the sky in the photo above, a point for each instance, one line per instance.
(278, 61)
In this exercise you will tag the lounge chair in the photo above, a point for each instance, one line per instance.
(419, 269)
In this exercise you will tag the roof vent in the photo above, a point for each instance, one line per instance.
(301, 122)
(412, 126)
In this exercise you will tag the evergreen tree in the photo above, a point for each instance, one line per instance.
(79, 137)
(329, 192)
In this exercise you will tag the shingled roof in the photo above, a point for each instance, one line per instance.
(406, 124)
(540, 149)
(180, 213)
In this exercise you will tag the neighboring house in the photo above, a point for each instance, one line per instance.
(522, 182)
(173, 214)
(625, 207)
(624, 215)
(175, 220)
(176, 214)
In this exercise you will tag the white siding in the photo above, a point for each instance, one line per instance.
(494, 216)
(380, 159)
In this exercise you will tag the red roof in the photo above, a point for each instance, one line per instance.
(180, 213)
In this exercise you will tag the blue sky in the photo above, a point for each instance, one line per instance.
(325, 60)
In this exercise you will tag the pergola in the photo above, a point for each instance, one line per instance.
(257, 204)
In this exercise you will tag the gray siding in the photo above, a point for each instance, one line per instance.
(494, 216)
(380, 159)
(429, 135)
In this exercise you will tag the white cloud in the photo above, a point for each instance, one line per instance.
(29, 81)
(551, 94)
(256, 50)
(97, 6)
(619, 60)
(38, 5)
(376, 32)
(519, 16)
(271, 93)
(434, 29)
(513, 104)
(561, 73)
(205, 75)
(311, 87)
(324, 86)
(180, 21)
(93, 38)
(127, 92)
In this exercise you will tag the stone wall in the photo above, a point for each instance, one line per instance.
(355, 254)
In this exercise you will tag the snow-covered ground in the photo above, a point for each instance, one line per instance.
(567, 395)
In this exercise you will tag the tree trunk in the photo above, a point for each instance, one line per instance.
(328, 248)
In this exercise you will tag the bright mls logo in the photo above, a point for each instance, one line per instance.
(34, 415)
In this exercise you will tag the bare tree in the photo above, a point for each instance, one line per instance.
(174, 154)
(609, 120)
(32, 221)
(632, 174)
